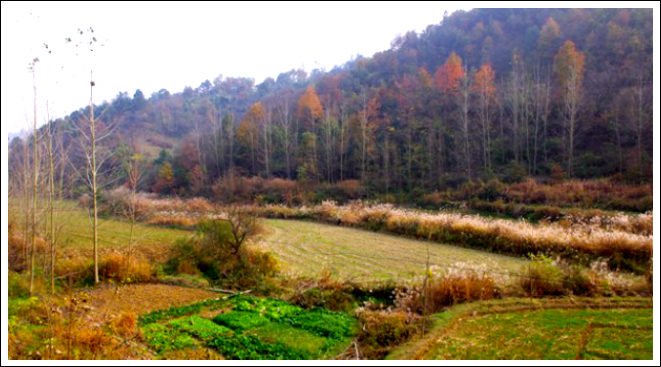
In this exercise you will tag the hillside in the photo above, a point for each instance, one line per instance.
(482, 94)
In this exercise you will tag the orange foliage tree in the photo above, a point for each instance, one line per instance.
(448, 76)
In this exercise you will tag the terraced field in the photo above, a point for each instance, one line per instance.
(307, 248)
(545, 329)
(243, 327)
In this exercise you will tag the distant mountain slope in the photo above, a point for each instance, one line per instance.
(390, 120)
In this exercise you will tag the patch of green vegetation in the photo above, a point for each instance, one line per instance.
(272, 309)
(547, 329)
(200, 328)
(240, 321)
(251, 347)
(173, 312)
(254, 328)
(294, 338)
(327, 324)
(163, 338)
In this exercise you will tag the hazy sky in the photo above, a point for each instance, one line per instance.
(150, 46)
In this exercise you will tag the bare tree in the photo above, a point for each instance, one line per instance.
(51, 197)
(343, 132)
(95, 159)
(267, 138)
(133, 179)
(363, 133)
(517, 102)
(286, 123)
(242, 227)
(638, 115)
(465, 86)
(35, 174)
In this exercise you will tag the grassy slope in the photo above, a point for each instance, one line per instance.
(308, 248)
(75, 234)
(304, 248)
(544, 329)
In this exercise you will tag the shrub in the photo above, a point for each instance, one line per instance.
(381, 331)
(461, 283)
(541, 277)
(125, 324)
(75, 271)
(218, 252)
(15, 250)
(325, 292)
(18, 285)
(117, 267)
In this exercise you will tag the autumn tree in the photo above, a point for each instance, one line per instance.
(165, 181)
(448, 76)
(548, 38)
(568, 65)
(248, 133)
(309, 111)
(486, 91)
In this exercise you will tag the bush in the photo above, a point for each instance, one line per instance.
(125, 324)
(18, 285)
(325, 292)
(447, 288)
(15, 250)
(218, 252)
(541, 277)
(75, 271)
(117, 267)
(381, 331)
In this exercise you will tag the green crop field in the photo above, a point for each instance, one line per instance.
(308, 248)
(545, 330)
(249, 328)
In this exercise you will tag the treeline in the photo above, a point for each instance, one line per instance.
(485, 94)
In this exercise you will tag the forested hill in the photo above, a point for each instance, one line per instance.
(483, 93)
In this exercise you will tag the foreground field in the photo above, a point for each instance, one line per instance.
(545, 329)
(243, 327)
(307, 248)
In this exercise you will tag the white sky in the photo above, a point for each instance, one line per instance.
(150, 46)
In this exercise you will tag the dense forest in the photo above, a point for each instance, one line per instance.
(484, 94)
